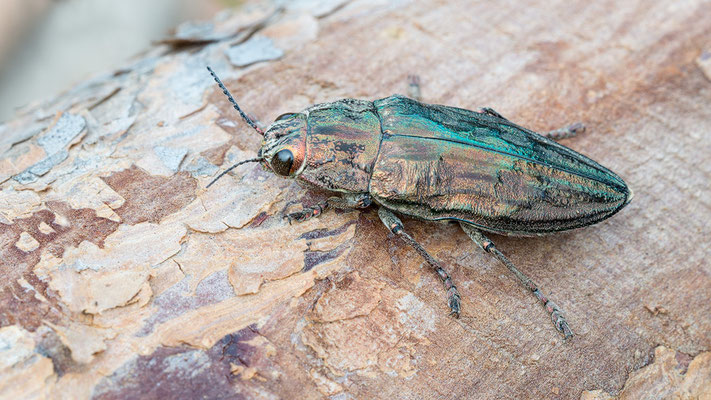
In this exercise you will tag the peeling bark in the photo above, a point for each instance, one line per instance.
(124, 277)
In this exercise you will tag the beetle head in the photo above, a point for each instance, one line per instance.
(284, 145)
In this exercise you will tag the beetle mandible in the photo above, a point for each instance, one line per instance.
(440, 163)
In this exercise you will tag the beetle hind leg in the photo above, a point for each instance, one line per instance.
(566, 131)
(553, 310)
(394, 224)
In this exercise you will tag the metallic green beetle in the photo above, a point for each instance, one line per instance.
(440, 163)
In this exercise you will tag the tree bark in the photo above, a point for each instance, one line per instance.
(123, 277)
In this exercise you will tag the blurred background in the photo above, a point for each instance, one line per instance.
(48, 45)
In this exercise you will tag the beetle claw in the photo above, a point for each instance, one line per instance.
(559, 320)
(562, 325)
(454, 302)
(454, 314)
(565, 330)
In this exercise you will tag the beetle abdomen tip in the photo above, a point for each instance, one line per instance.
(629, 196)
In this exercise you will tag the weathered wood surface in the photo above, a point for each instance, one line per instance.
(123, 278)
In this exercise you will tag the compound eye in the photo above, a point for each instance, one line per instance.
(281, 162)
(283, 117)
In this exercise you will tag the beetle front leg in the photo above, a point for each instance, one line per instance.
(487, 245)
(394, 224)
(566, 132)
(359, 200)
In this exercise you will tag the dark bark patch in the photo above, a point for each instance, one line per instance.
(169, 373)
(314, 258)
(178, 300)
(186, 373)
(69, 227)
(216, 155)
(150, 197)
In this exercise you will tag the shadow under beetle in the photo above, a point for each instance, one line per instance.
(440, 163)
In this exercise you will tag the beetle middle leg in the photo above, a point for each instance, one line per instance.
(492, 112)
(556, 134)
(413, 87)
(358, 200)
(394, 224)
(556, 313)
(566, 131)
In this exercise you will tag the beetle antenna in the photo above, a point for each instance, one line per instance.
(234, 103)
(233, 167)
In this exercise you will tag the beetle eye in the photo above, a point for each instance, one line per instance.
(281, 162)
(283, 117)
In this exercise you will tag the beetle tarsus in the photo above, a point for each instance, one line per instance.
(559, 320)
(566, 132)
(454, 301)
(394, 224)
(308, 212)
(553, 310)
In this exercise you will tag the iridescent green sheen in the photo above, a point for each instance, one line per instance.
(439, 163)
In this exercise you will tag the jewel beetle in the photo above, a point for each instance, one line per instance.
(440, 163)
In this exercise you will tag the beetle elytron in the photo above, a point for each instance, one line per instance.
(440, 163)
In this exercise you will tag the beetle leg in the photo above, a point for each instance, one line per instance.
(566, 132)
(308, 212)
(487, 245)
(359, 200)
(557, 134)
(492, 112)
(394, 224)
(413, 87)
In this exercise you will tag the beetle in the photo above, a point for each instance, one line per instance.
(440, 163)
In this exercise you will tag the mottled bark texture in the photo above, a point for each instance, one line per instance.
(122, 277)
